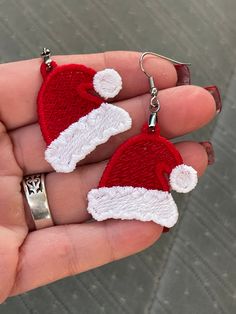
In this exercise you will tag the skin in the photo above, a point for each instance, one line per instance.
(32, 259)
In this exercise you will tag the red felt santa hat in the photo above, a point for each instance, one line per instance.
(73, 113)
(137, 181)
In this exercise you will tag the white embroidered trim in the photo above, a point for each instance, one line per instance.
(183, 178)
(133, 203)
(82, 137)
(107, 83)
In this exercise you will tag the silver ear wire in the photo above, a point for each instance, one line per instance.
(144, 54)
(154, 103)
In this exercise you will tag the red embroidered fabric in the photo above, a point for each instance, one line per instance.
(66, 95)
(144, 160)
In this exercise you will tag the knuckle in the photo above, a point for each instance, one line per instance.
(69, 254)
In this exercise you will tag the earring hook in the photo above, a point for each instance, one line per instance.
(154, 106)
(144, 54)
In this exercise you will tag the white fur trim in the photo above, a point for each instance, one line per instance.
(82, 137)
(107, 83)
(183, 178)
(133, 203)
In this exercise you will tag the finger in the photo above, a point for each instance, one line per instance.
(20, 81)
(183, 109)
(73, 249)
(67, 193)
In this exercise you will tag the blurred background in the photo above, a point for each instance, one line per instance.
(192, 269)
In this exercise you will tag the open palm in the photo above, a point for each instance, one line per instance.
(75, 244)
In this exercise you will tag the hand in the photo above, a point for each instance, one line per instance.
(31, 259)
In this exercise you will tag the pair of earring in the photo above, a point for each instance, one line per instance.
(75, 118)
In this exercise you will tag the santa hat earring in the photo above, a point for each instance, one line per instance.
(73, 114)
(137, 181)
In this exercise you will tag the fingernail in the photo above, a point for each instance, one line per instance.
(165, 230)
(214, 90)
(183, 74)
(210, 152)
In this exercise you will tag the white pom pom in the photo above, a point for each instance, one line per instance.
(107, 83)
(183, 178)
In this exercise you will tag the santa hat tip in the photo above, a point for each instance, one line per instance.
(183, 178)
(107, 83)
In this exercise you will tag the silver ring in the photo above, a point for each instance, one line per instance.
(35, 193)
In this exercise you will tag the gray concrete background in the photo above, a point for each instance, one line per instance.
(191, 270)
